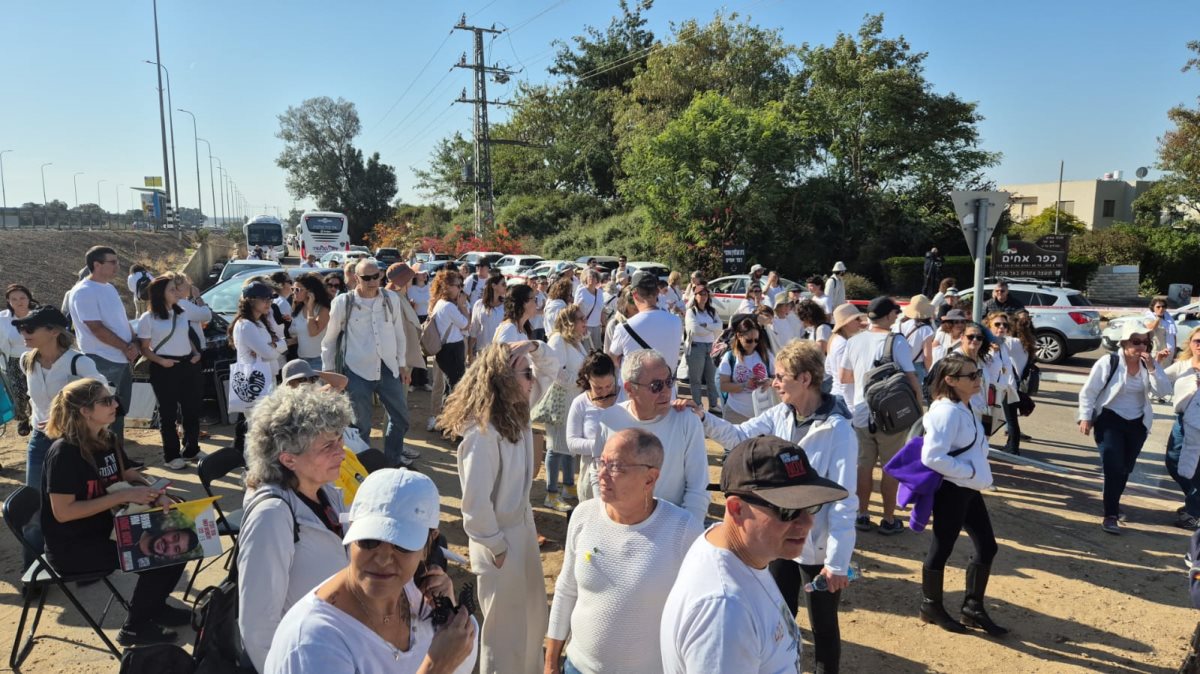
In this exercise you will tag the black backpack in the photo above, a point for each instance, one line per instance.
(890, 398)
(218, 648)
(142, 287)
(157, 659)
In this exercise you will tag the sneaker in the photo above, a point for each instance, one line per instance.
(145, 634)
(409, 454)
(431, 424)
(891, 528)
(1188, 522)
(570, 492)
(177, 464)
(1110, 526)
(194, 458)
(428, 388)
(863, 523)
(173, 616)
(555, 502)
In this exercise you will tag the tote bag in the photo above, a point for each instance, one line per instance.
(248, 383)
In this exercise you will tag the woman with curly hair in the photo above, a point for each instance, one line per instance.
(490, 410)
(519, 309)
(817, 327)
(311, 304)
(451, 316)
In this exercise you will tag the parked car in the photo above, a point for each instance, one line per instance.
(361, 249)
(659, 269)
(429, 257)
(544, 268)
(472, 258)
(607, 262)
(235, 267)
(1187, 319)
(386, 256)
(223, 297)
(515, 264)
(1064, 323)
(434, 266)
(342, 257)
(727, 292)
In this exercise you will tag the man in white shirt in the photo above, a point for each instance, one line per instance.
(863, 352)
(648, 383)
(657, 329)
(590, 299)
(372, 356)
(818, 294)
(725, 612)
(136, 273)
(473, 285)
(835, 287)
(102, 326)
(310, 262)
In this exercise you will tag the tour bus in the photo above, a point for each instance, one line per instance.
(321, 232)
(265, 231)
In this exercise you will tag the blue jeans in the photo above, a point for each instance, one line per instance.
(120, 377)
(559, 464)
(315, 363)
(393, 394)
(1187, 484)
(569, 668)
(1120, 441)
(701, 370)
(35, 465)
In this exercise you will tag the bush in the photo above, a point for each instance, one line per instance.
(615, 235)
(1115, 245)
(859, 287)
(906, 275)
(1079, 272)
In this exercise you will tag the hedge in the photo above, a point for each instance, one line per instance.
(906, 275)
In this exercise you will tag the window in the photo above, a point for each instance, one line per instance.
(1110, 208)
(1023, 296)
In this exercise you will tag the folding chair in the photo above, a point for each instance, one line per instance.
(19, 509)
(210, 469)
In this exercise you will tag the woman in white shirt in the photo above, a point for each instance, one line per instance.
(567, 343)
(948, 334)
(540, 285)
(702, 327)
(560, 296)
(174, 371)
(816, 323)
(449, 316)
(253, 339)
(917, 329)
(486, 315)
(418, 294)
(194, 309)
(1115, 401)
(18, 302)
(751, 301)
(598, 380)
(848, 321)
(311, 304)
(1183, 447)
(745, 368)
(674, 299)
(1006, 375)
(956, 447)
(519, 309)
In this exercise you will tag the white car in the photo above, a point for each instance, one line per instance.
(729, 291)
(510, 265)
(659, 269)
(546, 268)
(235, 267)
(1064, 322)
(343, 257)
(1187, 319)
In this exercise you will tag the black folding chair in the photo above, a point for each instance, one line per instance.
(19, 510)
(211, 468)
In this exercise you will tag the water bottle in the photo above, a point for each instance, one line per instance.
(821, 584)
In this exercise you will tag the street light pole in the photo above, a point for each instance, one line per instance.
(75, 182)
(98, 183)
(174, 197)
(117, 194)
(211, 186)
(162, 114)
(4, 192)
(222, 173)
(45, 205)
(196, 144)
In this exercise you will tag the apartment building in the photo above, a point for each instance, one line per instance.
(1098, 203)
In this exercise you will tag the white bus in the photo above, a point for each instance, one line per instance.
(265, 231)
(321, 232)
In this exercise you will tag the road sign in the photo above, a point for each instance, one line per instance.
(965, 206)
(1045, 259)
(154, 181)
(733, 259)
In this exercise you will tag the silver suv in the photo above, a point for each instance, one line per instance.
(1063, 321)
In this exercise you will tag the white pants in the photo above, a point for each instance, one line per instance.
(583, 483)
(512, 601)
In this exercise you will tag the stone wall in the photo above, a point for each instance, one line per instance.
(1114, 283)
(201, 262)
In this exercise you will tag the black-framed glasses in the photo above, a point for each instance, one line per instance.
(784, 514)
(370, 544)
(970, 375)
(617, 467)
(1139, 342)
(973, 338)
(656, 386)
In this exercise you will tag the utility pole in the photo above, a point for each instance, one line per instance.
(481, 178)
(162, 123)
(212, 187)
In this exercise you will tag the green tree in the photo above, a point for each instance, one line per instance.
(293, 216)
(322, 162)
(443, 179)
(1042, 224)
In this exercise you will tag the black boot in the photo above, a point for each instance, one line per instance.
(932, 610)
(973, 612)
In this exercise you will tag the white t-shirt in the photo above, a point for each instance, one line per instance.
(306, 346)
(538, 322)
(157, 329)
(94, 301)
(724, 616)
(661, 330)
(833, 366)
(132, 281)
(420, 298)
(484, 322)
(740, 372)
(592, 305)
(508, 333)
(916, 335)
(550, 313)
(818, 333)
(316, 636)
(862, 351)
(446, 316)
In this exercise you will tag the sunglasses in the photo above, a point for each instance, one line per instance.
(372, 544)
(971, 375)
(105, 401)
(28, 329)
(1000, 325)
(526, 373)
(656, 386)
(973, 338)
(370, 277)
(749, 340)
(784, 514)
(1139, 342)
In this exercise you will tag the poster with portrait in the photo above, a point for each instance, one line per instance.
(151, 539)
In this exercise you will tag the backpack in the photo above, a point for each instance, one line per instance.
(890, 398)
(218, 647)
(142, 287)
(720, 346)
(157, 659)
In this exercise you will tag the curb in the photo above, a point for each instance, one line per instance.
(1064, 377)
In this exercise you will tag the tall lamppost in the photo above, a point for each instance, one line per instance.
(100, 216)
(196, 145)
(45, 206)
(162, 120)
(117, 194)
(212, 188)
(174, 197)
(75, 182)
(4, 192)
(221, 168)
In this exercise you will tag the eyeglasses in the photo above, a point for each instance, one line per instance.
(656, 386)
(105, 401)
(1195, 341)
(372, 544)
(526, 373)
(618, 468)
(970, 375)
(973, 338)
(370, 277)
(784, 514)
(756, 292)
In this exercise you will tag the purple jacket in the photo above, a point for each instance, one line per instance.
(917, 482)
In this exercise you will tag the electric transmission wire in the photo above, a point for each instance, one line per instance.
(415, 107)
(414, 80)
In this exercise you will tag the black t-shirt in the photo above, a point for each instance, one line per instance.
(324, 511)
(67, 472)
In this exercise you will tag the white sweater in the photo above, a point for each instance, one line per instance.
(495, 476)
(950, 426)
(614, 582)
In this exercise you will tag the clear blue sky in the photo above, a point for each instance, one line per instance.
(1088, 82)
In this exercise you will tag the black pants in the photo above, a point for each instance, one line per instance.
(1012, 421)
(179, 390)
(822, 609)
(239, 433)
(153, 586)
(452, 360)
(956, 508)
(1120, 442)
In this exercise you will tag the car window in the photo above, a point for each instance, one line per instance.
(1023, 296)
(1078, 300)
(505, 261)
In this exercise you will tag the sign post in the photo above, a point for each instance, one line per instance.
(1045, 259)
(978, 213)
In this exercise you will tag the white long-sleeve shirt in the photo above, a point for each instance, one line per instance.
(44, 384)
(1186, 380)
(1096, 395)
(591, 303)
(197, 316)
(450, 322)
(374, 334)
(684, 477)
(254, 341)
(495, 475)
(702, 327)
(950, 426)
(614, 581)
(12, 344)
(583, 425)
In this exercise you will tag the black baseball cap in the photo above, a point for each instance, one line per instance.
(257, 290)
(44, 316)
(778, 472)
(881, 307)
(644, 280)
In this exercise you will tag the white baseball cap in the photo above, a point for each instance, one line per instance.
(395, 505)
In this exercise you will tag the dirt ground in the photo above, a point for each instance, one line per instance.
(1078, 600)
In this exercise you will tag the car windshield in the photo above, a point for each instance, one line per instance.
(223, 297)
(1078, 300)
(232, 269)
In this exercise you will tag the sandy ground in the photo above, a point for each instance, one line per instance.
(1077, 599)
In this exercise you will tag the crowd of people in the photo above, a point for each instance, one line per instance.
(590, 364)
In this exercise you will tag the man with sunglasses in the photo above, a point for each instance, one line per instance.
(365, 341)
(1002, 300)
(725, 613)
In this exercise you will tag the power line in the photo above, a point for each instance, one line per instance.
(414, 81)
(442, 94)
(414, 108)
(535, 17)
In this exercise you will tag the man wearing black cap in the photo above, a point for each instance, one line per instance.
(725, 613)
(863, 353)
(651, 328)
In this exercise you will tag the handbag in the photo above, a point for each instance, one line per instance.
(553, 407)
(248, 383)
(1031, 383)
(1025, 404)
